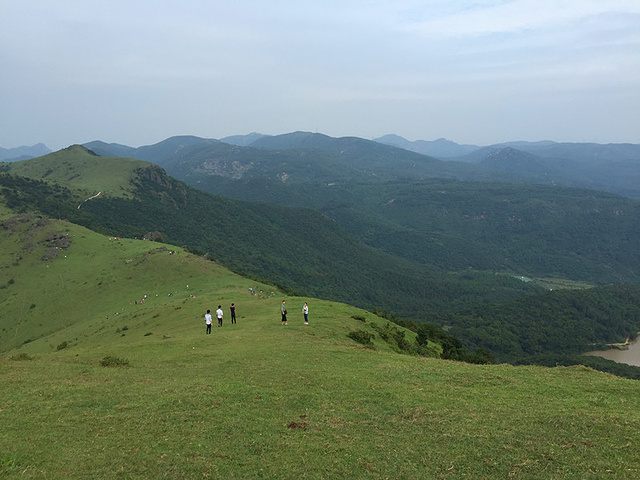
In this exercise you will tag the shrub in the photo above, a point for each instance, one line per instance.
(22, 356)
(394, 337)
(110, 361)
(359, 317)
(62, 346)
(360, 336)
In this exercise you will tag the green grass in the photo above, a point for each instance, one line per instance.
(263, 400)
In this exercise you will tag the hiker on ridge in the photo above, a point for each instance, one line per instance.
(219, 315)
(283, 311)
(207, 320)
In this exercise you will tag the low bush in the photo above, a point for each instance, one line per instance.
(360, 336)
(21, 356)
(395, 337)
(110, 361)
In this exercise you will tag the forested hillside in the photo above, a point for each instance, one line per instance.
(530, 230)
(561, 321)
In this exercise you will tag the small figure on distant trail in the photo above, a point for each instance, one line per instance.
(232, 308)
(219, 315)
(208, 320)
(305, 311)
(283, 311)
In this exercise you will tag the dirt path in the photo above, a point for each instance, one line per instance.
(90, 198)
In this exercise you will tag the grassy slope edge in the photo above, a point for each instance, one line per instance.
(259, 399)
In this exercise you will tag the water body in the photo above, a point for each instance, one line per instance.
(631, 356)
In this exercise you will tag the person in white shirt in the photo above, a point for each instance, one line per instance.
(219, 315)
(207, 320)
(305, 310)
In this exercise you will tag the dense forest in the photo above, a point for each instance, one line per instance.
(532, 230)
(562, 321)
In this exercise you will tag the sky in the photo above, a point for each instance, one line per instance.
(136, 72)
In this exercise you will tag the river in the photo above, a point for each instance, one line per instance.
(630, 356)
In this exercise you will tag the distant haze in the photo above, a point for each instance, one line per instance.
(479, 72)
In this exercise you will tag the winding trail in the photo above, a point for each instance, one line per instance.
(90, 198)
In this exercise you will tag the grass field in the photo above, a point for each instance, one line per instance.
(259, 399)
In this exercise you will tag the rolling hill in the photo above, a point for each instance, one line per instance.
(112, 387)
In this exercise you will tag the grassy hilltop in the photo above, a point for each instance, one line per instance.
(145, 393)
(76, 167)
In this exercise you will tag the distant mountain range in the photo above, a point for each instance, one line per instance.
(608, 167)
(612, 168)
(301, 156)
(23, 153)
(583, 152)
(441, 148)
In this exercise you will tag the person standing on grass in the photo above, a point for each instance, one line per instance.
(305, 311)
(207, 320)
(219, 315)
(233, 313)
(283, 311)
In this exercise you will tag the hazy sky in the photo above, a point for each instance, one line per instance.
(473, 71)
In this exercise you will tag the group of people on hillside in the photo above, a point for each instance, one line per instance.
(208, 318)
(283, 311)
